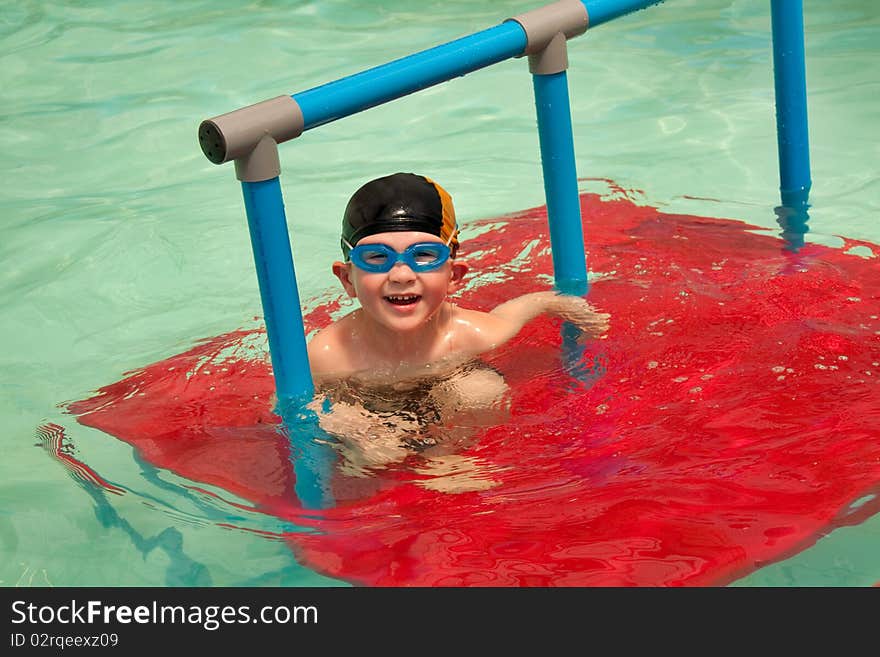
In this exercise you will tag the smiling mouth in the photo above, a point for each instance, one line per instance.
(403, 299)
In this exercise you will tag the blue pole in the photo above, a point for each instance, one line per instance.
(602, 11)
(560, 182)
(354, 93)
(313, 459)
(312, 454)
(789, 72)
(278, 292)
(400, 77)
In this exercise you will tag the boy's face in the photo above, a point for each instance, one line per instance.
(401, 299)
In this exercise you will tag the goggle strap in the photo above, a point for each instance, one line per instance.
(446, 243)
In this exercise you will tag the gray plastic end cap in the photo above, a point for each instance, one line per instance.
(235, 134)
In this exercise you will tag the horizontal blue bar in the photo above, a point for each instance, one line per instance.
(602, 11)
(400, 77)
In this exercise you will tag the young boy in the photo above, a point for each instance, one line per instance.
(408, 344)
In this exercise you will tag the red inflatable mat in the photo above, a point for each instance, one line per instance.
(730, 420)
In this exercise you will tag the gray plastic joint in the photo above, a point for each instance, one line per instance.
(547, 28)
(251, 135)
(552, 59)
(261, 163)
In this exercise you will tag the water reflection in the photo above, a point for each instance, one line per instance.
(311, 452)
(182, 570)
(793, 217)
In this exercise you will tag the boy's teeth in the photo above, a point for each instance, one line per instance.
(402, 298)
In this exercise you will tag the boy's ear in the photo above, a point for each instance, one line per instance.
(456, 281)
(342, 271)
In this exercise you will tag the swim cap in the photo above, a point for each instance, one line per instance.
(399, 202)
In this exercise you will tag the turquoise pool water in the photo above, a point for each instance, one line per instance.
(122, 245)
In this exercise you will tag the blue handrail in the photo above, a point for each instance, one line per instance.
(381, 84)
(401, 77)
(398, 78)
(560, 182)
(790, 81)
(792, 134)
(427, 68)
(278, 290)
(602, 11)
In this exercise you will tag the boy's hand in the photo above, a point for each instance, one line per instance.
(579, 312)
(366, 439)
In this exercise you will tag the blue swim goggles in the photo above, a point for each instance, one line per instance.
(380, 258)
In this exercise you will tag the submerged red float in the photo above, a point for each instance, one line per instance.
(730, 418)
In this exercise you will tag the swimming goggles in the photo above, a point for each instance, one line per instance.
(380, 258)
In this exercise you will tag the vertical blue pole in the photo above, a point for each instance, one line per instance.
(278, 292)
(267, 223)
(789, 74)
(563, 204)
(560, 182)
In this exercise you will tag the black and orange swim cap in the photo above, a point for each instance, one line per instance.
(399, 202)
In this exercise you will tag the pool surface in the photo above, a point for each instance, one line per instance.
(124, 248)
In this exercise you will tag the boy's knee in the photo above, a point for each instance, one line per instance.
(472, 390)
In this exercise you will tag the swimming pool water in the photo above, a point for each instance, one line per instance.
(122, 245)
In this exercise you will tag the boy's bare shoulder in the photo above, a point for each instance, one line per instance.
(330, 350)
(477, 330)
(329, 336)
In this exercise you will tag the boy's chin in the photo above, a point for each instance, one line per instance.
(405, 325)
(408, 321)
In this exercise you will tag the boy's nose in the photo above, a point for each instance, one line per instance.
(401, 272)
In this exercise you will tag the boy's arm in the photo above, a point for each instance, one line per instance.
(517, 312)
